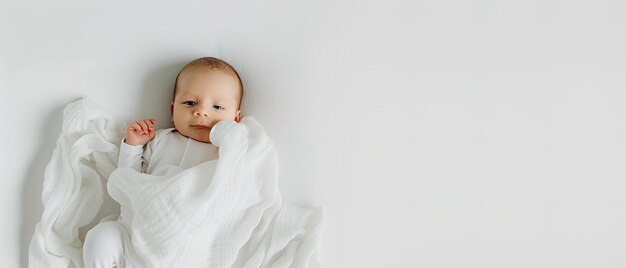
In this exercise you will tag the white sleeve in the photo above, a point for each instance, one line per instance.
(131, 156)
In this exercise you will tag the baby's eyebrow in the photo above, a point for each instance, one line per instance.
(219, 100)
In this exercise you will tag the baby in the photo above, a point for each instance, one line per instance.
(207, 90)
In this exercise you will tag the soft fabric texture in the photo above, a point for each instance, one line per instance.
(221, 213)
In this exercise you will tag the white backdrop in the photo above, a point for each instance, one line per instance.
(436, 133)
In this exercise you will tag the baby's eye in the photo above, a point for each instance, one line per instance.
(190, 103)
(218, 107)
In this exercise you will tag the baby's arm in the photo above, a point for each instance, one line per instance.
(132, 148)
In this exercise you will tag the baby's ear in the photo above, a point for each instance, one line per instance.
(172, 110)
(238, 116)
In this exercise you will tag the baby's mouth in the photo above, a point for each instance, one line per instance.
(200, 127)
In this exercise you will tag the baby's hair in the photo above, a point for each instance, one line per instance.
(210, 63)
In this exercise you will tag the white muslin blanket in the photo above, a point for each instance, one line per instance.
(222, 213)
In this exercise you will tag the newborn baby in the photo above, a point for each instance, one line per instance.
(206, 91)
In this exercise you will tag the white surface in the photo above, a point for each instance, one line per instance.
(506, 120)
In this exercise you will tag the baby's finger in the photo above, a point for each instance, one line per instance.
(135, 127)
(144, 126)
(149, 122)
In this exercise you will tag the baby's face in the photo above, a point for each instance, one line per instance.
(203, 98)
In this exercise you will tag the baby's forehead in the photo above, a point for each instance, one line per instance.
(201, 92)
(203, 71)
(187, 82)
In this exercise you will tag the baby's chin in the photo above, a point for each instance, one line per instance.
(197, 135)
(204, 141)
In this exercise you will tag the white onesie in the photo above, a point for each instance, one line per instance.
(168, 147)
(104, 246)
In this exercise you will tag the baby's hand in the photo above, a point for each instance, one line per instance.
(140, 132)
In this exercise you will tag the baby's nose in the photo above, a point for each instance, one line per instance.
(200, 113)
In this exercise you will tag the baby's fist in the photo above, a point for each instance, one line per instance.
(140, 132)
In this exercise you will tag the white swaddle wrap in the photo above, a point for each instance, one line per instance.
(222, 213)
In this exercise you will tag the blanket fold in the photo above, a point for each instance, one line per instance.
(226, 212)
